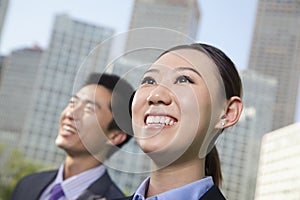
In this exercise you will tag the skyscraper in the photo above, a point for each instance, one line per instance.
(1, 66)
(278, 175)
(3, 10)
(155, 26)
(239, 146)
(60, 72)
(275, 51)
(16, 91)
(181, 16)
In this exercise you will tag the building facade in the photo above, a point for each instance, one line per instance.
(2, 57)
(275, 52)
(18, 77)
(278, 174)
(175, 22)
(3, 11)
(64, 66)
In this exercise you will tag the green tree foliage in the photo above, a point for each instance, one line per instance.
(14, 168)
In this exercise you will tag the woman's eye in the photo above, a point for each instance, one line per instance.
(184, 79)
(148, 80)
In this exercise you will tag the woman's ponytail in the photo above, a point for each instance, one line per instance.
(213, 166)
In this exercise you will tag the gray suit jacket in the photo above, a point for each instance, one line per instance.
(32, 186)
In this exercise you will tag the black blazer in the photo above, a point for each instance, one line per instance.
(212, 194)
(32, 186)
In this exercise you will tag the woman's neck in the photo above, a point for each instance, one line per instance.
(175, 175)
(78, 164)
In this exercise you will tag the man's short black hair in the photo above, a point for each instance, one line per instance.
(120, 104)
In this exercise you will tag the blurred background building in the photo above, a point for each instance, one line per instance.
(275, 51)
(1, 66)
(175, 15)
(279, 174)
(3, 10)
(19, 73)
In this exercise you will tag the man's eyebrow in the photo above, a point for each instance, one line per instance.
(87, 101)
(93, 102)
(75, 96)
(188, 68)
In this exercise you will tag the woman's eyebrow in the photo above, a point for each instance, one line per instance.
(151, 70)
(188, 68)
(177, 69)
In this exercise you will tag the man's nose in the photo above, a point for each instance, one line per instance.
(74, 112)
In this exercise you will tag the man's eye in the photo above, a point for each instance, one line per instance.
(72, 102)
(90, 108)
(148, 80)
(184, 79)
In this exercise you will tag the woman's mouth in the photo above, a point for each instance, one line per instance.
(160, 120)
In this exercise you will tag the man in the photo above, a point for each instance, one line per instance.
(88, 133)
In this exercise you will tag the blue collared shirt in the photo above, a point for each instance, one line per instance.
(192, 191)
(74, 186)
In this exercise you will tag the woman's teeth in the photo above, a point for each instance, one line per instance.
(165, 120)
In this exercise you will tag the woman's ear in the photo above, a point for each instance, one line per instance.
(116, 137)
(232, 113)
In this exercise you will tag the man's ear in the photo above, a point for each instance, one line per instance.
(233, 111)
(116, 137)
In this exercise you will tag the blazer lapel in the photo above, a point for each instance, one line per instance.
(44, 179)
(126, 198)
(213, 194)
(97, 189)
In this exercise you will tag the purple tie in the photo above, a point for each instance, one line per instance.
(56, 192)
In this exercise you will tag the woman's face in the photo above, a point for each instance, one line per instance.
(171, 110)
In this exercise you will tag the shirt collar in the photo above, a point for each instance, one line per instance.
(192, 191)
(74, 186)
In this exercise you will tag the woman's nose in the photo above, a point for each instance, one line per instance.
(160, 95)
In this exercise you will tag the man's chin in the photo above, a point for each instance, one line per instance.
(61, 144)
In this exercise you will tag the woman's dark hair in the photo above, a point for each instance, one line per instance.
(213, 166)
(233, 87)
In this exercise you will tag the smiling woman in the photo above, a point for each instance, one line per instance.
(185, 100)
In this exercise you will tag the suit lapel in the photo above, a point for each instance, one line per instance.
(213, 194)
(126, 198)
(97, 189)
(43, 181)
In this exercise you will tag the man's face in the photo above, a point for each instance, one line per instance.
(84, 122)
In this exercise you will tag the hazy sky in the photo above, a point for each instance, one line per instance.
(224, 24)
